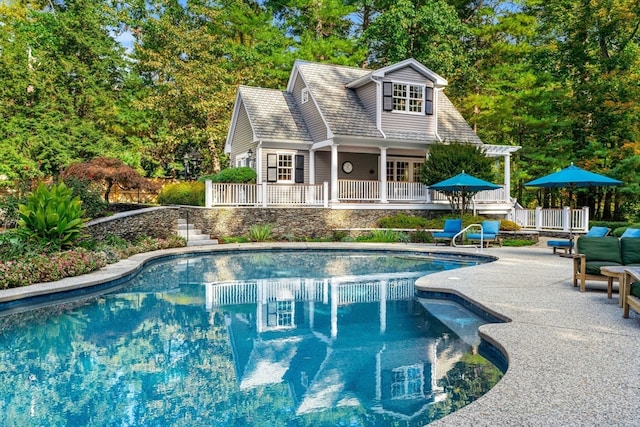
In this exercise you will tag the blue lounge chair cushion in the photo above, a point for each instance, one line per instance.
(598, 232)
(451, 228)
(631, 232)
(490, 230)
(559, 243)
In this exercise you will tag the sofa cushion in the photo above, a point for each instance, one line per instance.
(630, 250)
(635, 289)
(604, 249)
(593, 267)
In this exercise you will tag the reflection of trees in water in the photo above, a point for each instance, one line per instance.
(150, 356)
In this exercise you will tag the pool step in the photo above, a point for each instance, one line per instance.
(194, 236)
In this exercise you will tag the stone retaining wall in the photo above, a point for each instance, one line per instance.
(160, 222)
(285, 222)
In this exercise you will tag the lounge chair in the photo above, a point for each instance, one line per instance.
(451, 228)
(490, 233)
(631, 291)
(565, 244)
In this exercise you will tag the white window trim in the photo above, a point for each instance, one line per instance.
(406, 111)
(293, 167)
(304, 95)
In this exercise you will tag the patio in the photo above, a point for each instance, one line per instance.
(570, 361)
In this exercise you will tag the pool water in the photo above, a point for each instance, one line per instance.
(305, 338)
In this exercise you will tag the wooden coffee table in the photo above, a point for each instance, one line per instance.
(613, 272)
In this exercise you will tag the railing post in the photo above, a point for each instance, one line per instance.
(208, 193)
(566, 219)
(325, 194)
(585, 218)
(538, 218)
(264, 194)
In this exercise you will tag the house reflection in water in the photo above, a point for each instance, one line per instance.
(343, 341)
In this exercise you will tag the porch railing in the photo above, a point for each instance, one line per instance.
(356, 190)
(223, 194)
(564, 219)
(268, 194)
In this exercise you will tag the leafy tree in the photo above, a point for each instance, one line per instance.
(429, 31)
(107, 171)
(60, 71)
(447, 160)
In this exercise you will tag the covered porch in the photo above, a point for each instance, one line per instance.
(343, 175)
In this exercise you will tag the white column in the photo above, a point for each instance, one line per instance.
(507, 176)
(312, 176)
(383, 175)
(258, 161)
(312, 167)
(334, 174)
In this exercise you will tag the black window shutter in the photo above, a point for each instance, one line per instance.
(299, 174)
(387, 96)
(272, 167)
(428, 102)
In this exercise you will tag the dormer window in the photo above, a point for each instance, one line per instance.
(304, 95)
(407, 98)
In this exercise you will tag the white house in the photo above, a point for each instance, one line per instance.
(344, 137)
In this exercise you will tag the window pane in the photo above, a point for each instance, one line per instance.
(390, 172)
(402, 171)
(417, 169)
(285, 167)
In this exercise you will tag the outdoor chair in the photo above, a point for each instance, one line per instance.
(631, 291)
(593, 253)
(490, 233)
(451, 228)
(565, 244)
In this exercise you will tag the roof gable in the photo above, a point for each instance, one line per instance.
(273, 114)
(437, 80)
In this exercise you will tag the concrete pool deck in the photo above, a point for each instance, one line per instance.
(573, 359)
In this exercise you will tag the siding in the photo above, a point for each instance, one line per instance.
(242, 135)
(367, 95)
(266, 151)
(310, 113)
(400, 122)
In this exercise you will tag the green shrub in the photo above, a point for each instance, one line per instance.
(517, 242)
(421, 236)
(242, 175)
(52, 216)
(235, 239)
(507, 225)
(260, 232)
(384, 236)
(9, 210)
(182, 193)
(91, 195)
(402, 220)
(617, 232)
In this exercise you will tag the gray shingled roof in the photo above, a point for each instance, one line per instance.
(274, 114)
(451, 125)
(340, 106)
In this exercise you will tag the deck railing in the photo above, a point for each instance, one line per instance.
(223, 194)
(406, 191)
(356, 190)
(497, 195)
(552, 219)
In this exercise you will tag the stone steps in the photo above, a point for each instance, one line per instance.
(194, 236)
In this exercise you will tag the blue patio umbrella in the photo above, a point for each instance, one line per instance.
(464, 182)
(465, 185)
(572, 177)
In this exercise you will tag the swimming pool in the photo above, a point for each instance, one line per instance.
(257, 338)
